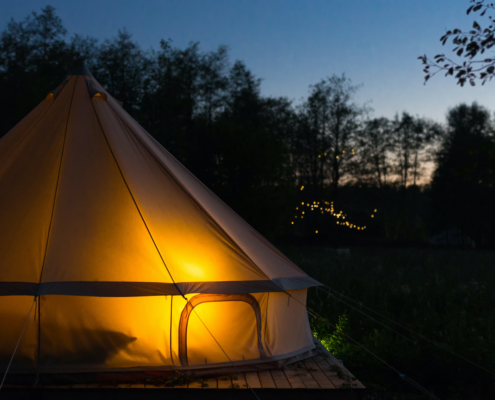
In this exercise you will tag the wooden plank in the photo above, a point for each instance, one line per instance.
(306, 377)
(293, 377)
(182, 384)
(339, 369)
(137, 386)
(79, 386)
(239, 381)
(123, 386)
(224, 382)
(318, 374)
(253, 380)
(210, 383)
(196, 384)
(266, 380)
(337, 373)
(151, 386)
(280, 379)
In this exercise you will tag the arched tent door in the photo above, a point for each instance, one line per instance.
(235, 322)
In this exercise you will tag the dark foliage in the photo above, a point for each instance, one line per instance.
(471, 45)
(263, 155)
(463, 184)
(443, 295)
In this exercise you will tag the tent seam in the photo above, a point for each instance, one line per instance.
(50, 225)
(132, 196)
(58, 180)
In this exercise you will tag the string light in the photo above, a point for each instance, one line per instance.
(340, 215)
(331, 210)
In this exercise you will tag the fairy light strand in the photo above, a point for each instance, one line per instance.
(328, 207)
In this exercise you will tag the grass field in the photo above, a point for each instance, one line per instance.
(445, 295)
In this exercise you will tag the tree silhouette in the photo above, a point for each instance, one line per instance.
(372, 164)
(463, 182)
(330, 121)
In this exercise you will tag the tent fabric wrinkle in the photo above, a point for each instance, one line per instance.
(98, 217)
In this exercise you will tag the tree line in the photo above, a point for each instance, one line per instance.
(265, 155)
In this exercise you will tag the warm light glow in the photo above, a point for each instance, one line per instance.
(194, 271)
(331, 210)
(316, 231)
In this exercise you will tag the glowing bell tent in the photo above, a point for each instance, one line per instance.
(128, 258)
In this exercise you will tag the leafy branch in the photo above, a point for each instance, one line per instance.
(468, 45)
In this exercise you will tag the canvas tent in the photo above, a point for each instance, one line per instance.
(130, 260)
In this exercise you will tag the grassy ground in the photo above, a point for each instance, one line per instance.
(445, 295)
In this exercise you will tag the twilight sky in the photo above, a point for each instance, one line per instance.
(291, 44)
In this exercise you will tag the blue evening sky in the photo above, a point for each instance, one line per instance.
(291, 44)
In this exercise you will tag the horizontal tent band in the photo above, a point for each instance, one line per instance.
(135, 289)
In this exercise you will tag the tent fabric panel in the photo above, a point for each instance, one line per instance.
(263, 299)
(14, 313)
(192, 245)
(288, 325)
(273, 263)
(30, 156)
(97, 233)
(90, 333)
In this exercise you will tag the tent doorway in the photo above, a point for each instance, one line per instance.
(234, 321)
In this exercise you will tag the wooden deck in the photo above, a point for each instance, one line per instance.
(322, 372)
